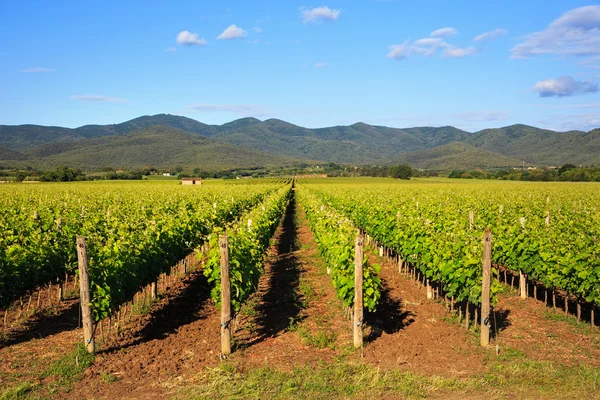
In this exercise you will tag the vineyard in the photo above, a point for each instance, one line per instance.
(133, 233)
(549, 233)
(245, 272)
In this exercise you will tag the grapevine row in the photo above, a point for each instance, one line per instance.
(551, 236)
(335, 236)
(133, 233)
(248, 242)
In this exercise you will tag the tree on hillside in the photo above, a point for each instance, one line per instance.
(401, 171)
(20, 176)
(565, 168)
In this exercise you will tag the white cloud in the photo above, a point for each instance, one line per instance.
(399, 51)
(564, 86)
(569, 122)
(322, 13)
(232, 32)
(444, 32)
(429, 42)
(98, 98)
(565, 106)
(428, 47)
(190, 39)
(320, 65)
(575, 33)
(36, 70)
(243, 109)
(171, 49)
(491, 35)
(257, 29)
(457, 52)
(591, 62)
(477, 116)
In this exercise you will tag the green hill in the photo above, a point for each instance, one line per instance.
(158, 146)
(359, 143)
(540, 146)
(6, 154)
(280, 141)
(456, 155)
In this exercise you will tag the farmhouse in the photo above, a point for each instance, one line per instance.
(191, 181)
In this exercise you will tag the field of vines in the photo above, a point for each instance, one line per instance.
(134, 231)
(548, 231)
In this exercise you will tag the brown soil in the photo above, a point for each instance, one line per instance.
(529, 327)
(410, 332)
(38, 341)
(178, 338)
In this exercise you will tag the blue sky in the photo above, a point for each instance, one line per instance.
(471, 64)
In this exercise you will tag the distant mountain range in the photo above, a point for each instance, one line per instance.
(168, 141)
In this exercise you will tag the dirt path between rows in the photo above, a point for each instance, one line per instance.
(294, 318)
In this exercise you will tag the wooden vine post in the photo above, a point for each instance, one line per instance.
(154, 290)
(471, 219)
(225, 296)
(485, 288)
(85, 299)
(522, 280)
(358, 292)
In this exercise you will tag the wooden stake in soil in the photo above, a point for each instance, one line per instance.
(84, 290)
(471, 219)
(20, 309)
(225, 296)
(485, 288)
(358, 291)
(522, 285)
(154, 290)
(429, 290)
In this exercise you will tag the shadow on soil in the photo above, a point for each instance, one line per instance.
(45, 324)
(389, 317)
(181, 310)
(500, 323)
(551, 298)
(281, 303)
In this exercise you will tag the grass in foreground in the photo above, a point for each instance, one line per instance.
(63, 373)
(346, 380)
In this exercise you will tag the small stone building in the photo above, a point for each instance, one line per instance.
(191, 181)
